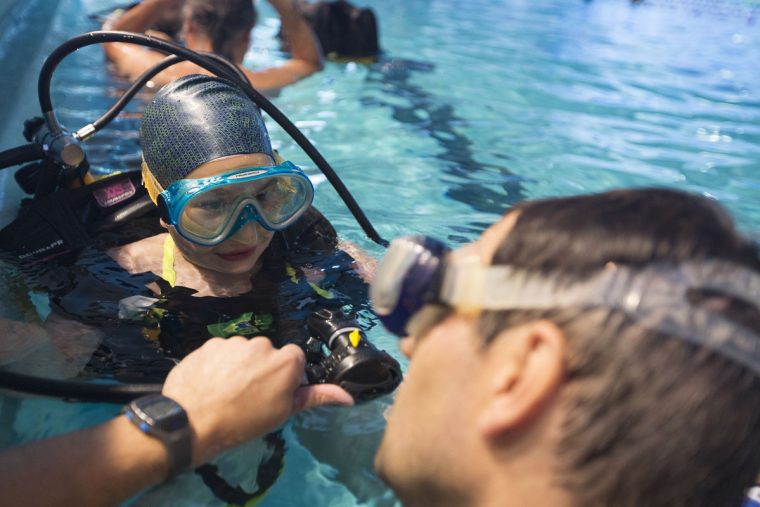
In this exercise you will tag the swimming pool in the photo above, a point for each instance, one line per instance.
(477, 106)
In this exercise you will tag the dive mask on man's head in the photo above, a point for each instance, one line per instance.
(418, 282)
(207, 211)
(406, 281)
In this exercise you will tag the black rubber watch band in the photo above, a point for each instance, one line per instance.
(163, 418)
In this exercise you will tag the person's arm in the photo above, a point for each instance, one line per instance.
(232, 390)
(364, 264)
(132, 60)
(305, 51)
(58, 346)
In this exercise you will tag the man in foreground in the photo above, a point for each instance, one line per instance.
(618, 364)
(592, 350)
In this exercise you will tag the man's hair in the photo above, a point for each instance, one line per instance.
(225, 22)
(649, 418)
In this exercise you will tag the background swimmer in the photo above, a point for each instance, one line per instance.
(219, 26)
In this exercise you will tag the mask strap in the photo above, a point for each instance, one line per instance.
(150, 183)
(657, 297)
(167, 261)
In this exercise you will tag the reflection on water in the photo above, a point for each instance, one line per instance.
(438, 120)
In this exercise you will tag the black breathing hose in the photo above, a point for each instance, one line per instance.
(100, 37)
(120, 104)
(80, 391)
(141, 81)
(21, 155)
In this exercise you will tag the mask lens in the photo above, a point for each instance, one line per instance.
(278, 200)
(207, 214)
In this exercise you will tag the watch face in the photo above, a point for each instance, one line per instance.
(161, 412)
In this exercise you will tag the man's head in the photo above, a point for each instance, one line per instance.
(225, 24)
(573, 405)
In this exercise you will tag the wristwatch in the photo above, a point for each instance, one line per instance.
(163, 418)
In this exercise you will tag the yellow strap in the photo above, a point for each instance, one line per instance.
(291, 272)
(167, 262)
(325, 293)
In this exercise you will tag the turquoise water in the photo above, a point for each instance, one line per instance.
(477, 105)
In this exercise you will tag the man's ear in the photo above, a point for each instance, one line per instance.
(525, 368)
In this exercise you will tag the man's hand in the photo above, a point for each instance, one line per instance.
(237, 389)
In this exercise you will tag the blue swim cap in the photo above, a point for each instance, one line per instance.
(195, 119)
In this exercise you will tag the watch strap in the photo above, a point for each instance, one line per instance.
(180, 452)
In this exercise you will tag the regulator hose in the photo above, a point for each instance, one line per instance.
(128, 95)
(21, 155)
(134, 88)
(71, 390)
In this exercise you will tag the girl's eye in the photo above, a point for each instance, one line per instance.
(265, 193)
(210, 205)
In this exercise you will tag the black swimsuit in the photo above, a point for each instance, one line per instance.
(95, 289)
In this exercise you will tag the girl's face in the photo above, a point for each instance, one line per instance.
(240, 253)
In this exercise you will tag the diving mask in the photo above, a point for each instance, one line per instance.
(207, 211)
(419, 282)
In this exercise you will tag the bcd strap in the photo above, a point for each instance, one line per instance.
(266, 475)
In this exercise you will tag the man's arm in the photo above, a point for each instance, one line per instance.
(364, 264)
(97, 466)
(232, 390)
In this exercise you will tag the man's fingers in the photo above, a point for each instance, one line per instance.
(307, 397)
(294, 351)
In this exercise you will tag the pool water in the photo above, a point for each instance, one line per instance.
(474, 106)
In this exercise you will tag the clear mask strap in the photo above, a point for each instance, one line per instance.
(655, 296)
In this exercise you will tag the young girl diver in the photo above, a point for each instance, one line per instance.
(209, 166)
(239, 221)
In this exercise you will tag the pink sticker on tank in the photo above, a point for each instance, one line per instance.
(114, 193)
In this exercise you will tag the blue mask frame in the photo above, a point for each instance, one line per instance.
(173, 201)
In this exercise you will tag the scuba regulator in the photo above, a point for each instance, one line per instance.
(337, 352)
